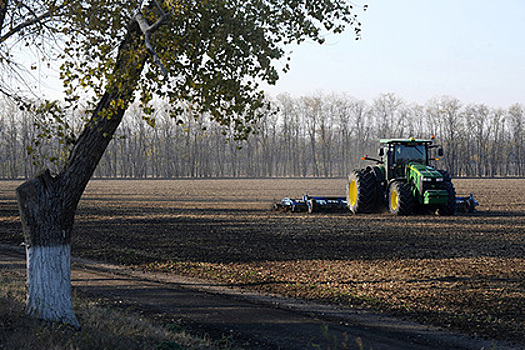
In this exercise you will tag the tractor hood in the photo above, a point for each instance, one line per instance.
(423, 171)
(427, 184)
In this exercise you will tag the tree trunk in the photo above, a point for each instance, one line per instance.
(48, 203)
(47, 229)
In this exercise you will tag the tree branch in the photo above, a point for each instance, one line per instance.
(5, 92)
(27, 23)
(3, 11)
(147, 30)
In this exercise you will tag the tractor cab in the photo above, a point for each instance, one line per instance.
(396, 154)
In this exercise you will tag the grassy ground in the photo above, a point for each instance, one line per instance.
(103, 326)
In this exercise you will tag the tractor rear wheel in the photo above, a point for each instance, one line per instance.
(400, 199)
(360, 192)
(450, 207)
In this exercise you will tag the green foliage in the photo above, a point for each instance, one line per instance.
(53, 138)
(215, 52)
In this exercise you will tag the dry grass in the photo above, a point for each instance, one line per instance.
(103, 327)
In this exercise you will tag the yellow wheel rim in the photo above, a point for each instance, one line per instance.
(352, 193)
(394, 200)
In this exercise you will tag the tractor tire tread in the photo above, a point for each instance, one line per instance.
(449, 208)
(406, 199)
(366, 192)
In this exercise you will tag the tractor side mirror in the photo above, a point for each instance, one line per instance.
(440, 152)
(381, 152)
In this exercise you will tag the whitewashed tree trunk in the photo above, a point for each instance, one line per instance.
(47, 221)
(49, 284)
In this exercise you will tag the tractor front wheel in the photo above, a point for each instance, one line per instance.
(401, 201)
(450, 207)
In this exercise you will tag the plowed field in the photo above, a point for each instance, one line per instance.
(465, 272)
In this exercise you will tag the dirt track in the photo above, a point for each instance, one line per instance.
(464, 272)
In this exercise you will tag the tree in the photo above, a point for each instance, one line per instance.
(445, 115)
(516, 124)
(386, 110)
(311, 108)
(326, 136)
(210, 53)
(498, 143)
(290, 126)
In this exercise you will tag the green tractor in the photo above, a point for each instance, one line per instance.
(402, 180)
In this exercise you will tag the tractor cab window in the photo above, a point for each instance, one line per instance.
(413, 153)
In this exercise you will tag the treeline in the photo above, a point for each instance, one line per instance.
(316, 135)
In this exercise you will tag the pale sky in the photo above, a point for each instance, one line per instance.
(418, 49)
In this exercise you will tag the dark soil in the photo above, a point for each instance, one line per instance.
(464, 272)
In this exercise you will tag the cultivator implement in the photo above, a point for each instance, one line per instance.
(466, 204)
(312, 204)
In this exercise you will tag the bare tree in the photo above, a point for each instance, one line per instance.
(497, 144)
(517, 137)
(385, 111)
(445, 115)
(326, 135)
